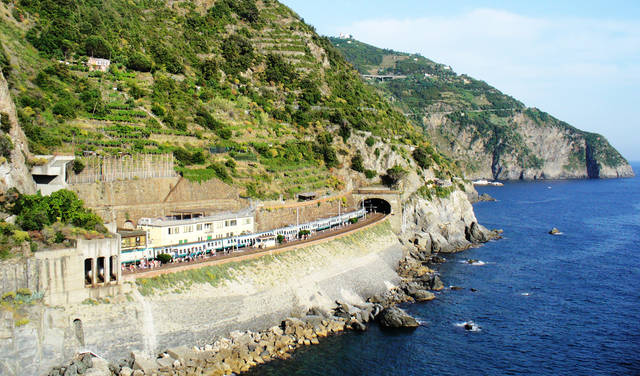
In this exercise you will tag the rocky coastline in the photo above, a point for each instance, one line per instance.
(243, 350)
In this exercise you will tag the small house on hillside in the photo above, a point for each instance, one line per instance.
(96, 64)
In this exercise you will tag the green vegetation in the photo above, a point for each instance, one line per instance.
(472, 108)
(34, 212)
(393, 176)
(236, 81)
(45, 219)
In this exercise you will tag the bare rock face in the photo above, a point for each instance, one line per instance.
(445, 221)
(14, 173)
(394, 317)
(554, 151)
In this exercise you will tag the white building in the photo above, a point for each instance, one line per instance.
(96, 64)
(196, 227)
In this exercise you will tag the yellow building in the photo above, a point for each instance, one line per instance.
(196, 227)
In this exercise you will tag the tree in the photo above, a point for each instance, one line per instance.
(97, 47)
(238, 54)
(279, 71)
(139, 62)
(422, 157)
(164, 258)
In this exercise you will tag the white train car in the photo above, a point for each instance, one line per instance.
(240, 241)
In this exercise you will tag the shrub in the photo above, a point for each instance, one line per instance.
(357, 163)
(422, 157)
(139, 62)
(278, 70)
(20, 237)
(9, 296)
(370, 174)
(24, 292)
(5, 124)
(353, 220)
(77, 166)
(238, 54)
(224, 133)
(5, 67)
(66, 109)
(394, 175)
(164, 258)
(370, 141)
(34, 212)
(221, 172)
(6, 146)
(302, 233)
(280, 238)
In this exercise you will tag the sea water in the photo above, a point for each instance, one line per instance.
(545, 305)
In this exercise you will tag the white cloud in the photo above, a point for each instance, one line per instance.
(537, 60)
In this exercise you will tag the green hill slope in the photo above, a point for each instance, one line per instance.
(490, 134)
(239, 90)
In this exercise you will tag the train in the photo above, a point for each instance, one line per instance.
(265, 239)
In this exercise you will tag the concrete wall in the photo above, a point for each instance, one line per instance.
(59, 273)
(133, 199)
(17, 274)
(277, 215)
(257, 295)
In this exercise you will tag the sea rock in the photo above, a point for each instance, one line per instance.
(423, 296)
(476, 233)
(456, 288)
(126, 371)
(554, 231)
(394, 317)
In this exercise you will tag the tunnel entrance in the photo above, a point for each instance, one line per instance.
(377, 205)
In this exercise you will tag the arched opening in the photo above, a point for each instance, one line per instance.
(377, 205)
(128, 225)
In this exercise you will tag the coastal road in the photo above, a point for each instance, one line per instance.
(252, 253)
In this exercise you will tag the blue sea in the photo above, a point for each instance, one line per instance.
(545, 305)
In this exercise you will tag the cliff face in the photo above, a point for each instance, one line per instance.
(14, 172)
(490, 135)
(532, 149)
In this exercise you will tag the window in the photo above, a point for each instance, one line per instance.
(188, 229)
(230, 223)
(207, 226)
(247, 221)
(199, 227)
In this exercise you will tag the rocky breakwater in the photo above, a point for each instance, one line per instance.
(242, 350)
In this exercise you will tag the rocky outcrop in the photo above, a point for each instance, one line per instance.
(443, 224)
(394, 317)
(14, 172)
(537, 149)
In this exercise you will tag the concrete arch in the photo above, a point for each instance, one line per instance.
(376, 205)
(382, 201)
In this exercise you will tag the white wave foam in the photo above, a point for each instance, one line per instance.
(473, 262)
(525, 294)
(473, 325)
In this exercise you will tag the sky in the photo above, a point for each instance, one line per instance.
(577, 60)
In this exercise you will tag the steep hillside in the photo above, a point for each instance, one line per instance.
(491, 135)
(239, 90)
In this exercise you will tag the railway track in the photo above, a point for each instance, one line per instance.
(250, 253)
